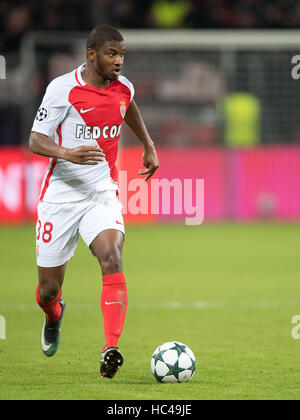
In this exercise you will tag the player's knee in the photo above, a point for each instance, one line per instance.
(111, 262)
(48, 291)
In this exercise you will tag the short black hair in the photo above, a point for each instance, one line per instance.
(101, 34)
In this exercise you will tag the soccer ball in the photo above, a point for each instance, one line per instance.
(173, 362)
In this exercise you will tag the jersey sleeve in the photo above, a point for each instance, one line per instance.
(52, 110)
(130, 86)
(132, 91)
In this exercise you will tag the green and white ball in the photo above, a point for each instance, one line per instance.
(173, 362)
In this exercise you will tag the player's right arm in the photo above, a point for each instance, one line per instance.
(52, 112)
(82, 155)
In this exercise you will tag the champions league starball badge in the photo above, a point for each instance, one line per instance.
(41, 114)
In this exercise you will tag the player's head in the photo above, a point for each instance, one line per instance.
(105, 51)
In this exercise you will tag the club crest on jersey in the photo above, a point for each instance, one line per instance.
(122, 109)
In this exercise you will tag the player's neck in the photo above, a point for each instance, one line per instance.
(92, 78)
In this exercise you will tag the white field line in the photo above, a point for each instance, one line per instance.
(173, 305)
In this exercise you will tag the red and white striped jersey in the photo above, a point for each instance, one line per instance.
(73, 114)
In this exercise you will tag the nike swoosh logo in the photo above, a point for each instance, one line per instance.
(45, 346)
(111, 303)
(119, 223)
(83, 111)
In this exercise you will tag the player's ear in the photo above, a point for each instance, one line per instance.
(91, 54)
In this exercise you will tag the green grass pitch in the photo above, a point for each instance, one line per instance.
(228, 291)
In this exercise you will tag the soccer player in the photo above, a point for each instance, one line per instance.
(78, 127)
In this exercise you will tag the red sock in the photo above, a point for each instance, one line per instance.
(113, 306)
(52, 309)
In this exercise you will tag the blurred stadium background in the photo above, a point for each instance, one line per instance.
(213, 80)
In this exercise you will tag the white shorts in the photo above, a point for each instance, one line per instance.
(59, 225)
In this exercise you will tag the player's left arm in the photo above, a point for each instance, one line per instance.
(135, 121)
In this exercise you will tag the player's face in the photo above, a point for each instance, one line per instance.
(110, 59)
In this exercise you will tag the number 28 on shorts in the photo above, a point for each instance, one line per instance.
(44, 231)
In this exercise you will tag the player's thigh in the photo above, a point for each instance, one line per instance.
(107, 243)
(102, 229)
(107, 247)
(103, 214)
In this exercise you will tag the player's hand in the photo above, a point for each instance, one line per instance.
(84, 155)
(150, 161)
